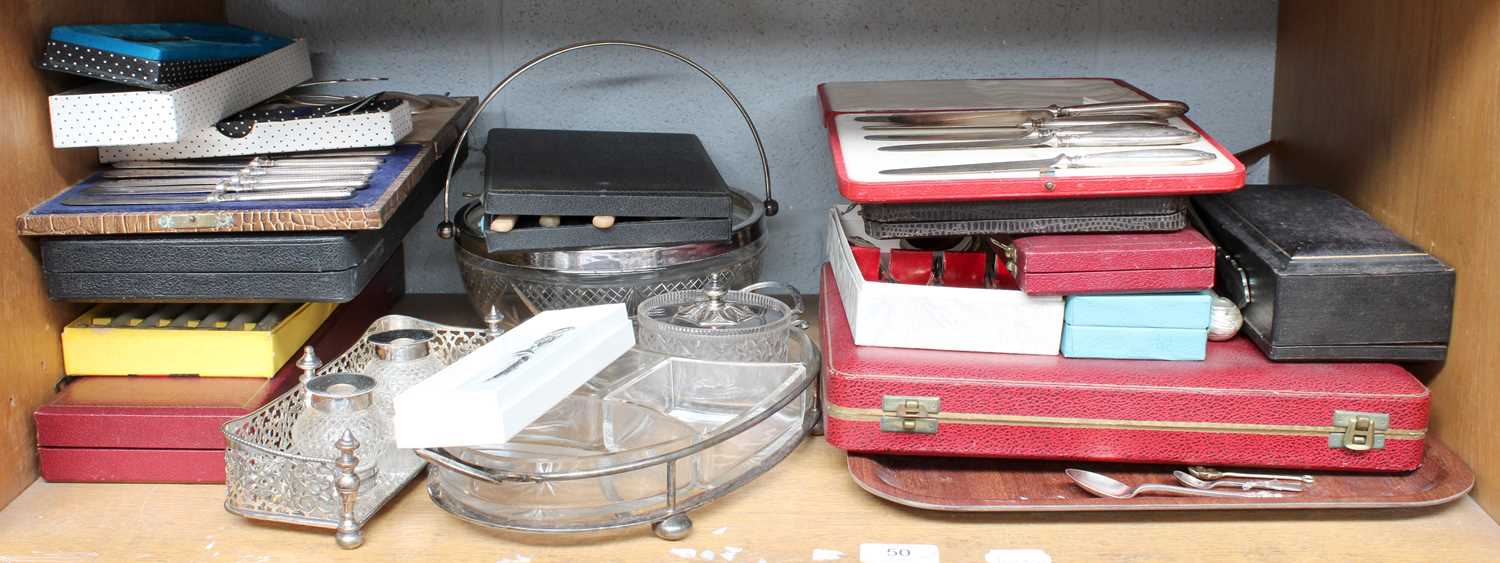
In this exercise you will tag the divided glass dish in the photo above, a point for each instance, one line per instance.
(648, 439)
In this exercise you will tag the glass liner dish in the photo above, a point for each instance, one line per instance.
(522, 284)
(677, 323)
(742, 419)
(265, 480)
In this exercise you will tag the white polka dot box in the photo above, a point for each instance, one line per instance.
(108, 114)
(380, 127)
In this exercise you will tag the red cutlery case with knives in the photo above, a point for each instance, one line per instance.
(865, 172)
(1235, 408)
(1114, 263)
(166, 429)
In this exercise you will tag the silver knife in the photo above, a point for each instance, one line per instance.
(257, 162)
(214, 197)
(223, 186)
(236, 179)
(374, 152)
(1061, 123)
(228, 172)
(348, 152)
(1116, 137)
(1160, 109)
(1142, 157)
(995, 133)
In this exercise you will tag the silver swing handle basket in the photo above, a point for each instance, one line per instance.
(446, 228)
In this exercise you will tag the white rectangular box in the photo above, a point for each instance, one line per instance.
(937, 318)
(379, 129)
(107, 114)
(490, 395)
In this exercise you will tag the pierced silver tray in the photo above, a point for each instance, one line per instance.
(267, 482)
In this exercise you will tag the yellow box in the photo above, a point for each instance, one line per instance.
(109, 340)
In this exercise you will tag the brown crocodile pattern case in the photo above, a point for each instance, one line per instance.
(436, 130)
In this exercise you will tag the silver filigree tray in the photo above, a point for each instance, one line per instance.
(267, 482)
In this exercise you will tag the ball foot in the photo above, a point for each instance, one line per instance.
(675, 527)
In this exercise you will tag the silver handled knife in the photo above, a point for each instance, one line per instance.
(995, 133)
(1141, 157)
(224, 186)
(239, 179)
(1060, 123)
(1161, 109)
(347, 152)
(320, 194)
(236, 180)
(229, 172)
(1116, 137)
(257, 162)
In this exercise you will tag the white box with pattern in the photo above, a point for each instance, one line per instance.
(108, 114)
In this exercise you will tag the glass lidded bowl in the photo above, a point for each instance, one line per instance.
(719, 324)
(648, 437)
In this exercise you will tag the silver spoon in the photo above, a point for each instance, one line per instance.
(1196, 483)
(1103, 486)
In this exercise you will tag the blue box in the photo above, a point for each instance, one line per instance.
(1143, 326)
(1134, 343)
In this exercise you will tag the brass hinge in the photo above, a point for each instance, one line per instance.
(915, 415)
(1359, 431)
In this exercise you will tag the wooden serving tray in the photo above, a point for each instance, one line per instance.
(999, 485)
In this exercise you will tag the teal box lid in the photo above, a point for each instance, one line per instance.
(174, 41)
(1143, 310)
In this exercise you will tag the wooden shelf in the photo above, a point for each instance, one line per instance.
(805, 504)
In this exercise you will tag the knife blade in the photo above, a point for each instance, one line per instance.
(1159, 109)
(257, 162)
(1028, 126)
(989, 133)
(226, 172)
(1140, 157)
(223, 187)
(235, 180)
(1117, 137)
(347, 152)
(321, 194)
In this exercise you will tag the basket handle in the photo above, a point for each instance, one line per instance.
(446, 228)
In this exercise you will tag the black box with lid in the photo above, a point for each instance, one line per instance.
(662, 188)
(1319, 279)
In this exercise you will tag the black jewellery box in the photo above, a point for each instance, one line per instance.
(1319, 279)
(661, 188)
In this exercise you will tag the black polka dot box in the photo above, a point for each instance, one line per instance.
(380, 123)
(105, 114)
(158, 56)
(131, 71)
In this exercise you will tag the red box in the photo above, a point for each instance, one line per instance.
(862, 186)
(1233, 409)
(1114, 263)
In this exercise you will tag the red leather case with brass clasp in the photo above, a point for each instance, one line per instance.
(1235, 408)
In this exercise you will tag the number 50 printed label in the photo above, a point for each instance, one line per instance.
(898, 553)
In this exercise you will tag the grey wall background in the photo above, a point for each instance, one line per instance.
(1217, 55)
